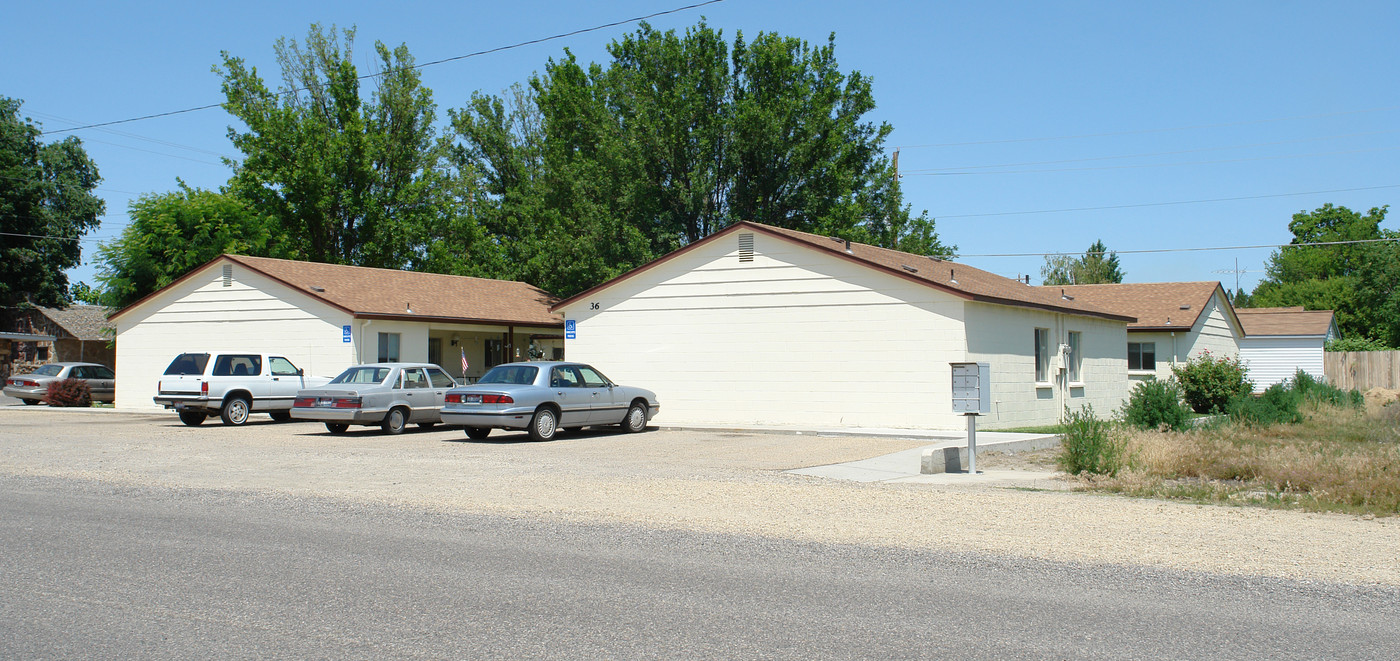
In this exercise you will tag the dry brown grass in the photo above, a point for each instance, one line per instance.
(1336, 460)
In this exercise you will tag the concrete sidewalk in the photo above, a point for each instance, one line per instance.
(942, 461)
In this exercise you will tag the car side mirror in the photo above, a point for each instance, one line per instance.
(301, 372)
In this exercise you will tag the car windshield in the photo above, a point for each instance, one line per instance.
(513, 374)
(188, 363)
(363, 375)
(48, 370)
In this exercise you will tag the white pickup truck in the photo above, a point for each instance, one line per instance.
(232, 385)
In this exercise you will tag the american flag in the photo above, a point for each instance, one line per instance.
(464, 362)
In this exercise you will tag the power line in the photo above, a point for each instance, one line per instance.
(1155, 165)
(1148, 155)
(1164, 204)
(1214, 248)
(416, 66)
(1142, 131)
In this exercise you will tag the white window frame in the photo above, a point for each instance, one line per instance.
(390, 347)
(1076, 357)
(1042, 355)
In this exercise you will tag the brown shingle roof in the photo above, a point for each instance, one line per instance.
(957, 279)
(390, 294)
(83, 322)
(1284, 321)
(1157, 305)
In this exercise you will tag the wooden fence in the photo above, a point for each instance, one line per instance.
(1362, 370)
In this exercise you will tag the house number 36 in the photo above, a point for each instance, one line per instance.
(593, 306)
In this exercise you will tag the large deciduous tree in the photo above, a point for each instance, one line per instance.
(596, 169)
(1328, 277)
(350, 180)
(172, 233)
(1097, 266)
(46, 205)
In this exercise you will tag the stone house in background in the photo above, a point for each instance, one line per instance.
(30, 337)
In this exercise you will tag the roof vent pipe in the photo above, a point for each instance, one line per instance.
(848, 246)
(952, 276)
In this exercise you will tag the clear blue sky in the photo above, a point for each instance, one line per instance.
(1023, 127)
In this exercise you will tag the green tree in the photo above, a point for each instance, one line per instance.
(1378, 290)
(596, 169)
(348, 180)
(46, 206)
(172, 233)
(1327, 277)
(1098, 265)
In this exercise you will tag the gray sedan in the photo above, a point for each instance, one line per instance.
(390, 395)
(31, 388)
(544, 397)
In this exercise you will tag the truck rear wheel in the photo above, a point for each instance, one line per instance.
(235, 411)
(193, 418)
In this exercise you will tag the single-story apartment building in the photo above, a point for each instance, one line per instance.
(1176, 321)
(1278, 342)
(758, 325)
(326, 317)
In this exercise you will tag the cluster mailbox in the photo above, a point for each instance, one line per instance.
(972, 388)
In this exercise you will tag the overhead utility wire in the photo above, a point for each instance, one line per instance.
(416, 66)
(1153, 165)
(1163, 204)
(1147, 155)
(1142, 131)
(1157, 250)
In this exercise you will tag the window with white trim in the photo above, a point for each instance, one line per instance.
(1042, 355)
(1075, 357)
(1142, 356)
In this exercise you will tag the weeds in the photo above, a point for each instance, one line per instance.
(1090, 445)
(68, 392)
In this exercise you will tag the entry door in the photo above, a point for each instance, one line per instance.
(435, 351)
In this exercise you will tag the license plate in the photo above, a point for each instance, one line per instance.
(325, 401)
(472, 399)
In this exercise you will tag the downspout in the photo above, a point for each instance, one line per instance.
(364, 335)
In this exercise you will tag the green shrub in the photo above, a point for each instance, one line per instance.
(1319, 392)
(1357, 344)
(1155, 403)
(1209, 383)
(1090, 445)
(68, 392)
(1278, 405)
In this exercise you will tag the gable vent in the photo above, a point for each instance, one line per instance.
(228, 275)
(746, 247)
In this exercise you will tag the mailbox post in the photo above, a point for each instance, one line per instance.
(972, 396)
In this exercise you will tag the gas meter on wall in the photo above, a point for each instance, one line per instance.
(972, 387)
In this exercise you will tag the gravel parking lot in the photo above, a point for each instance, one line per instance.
(705, 481)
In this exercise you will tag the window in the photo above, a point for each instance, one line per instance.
(591, 378)
(1142, 356)
(388, 348)
(282, 367)
(1042, 355)
(415, 378)
(440, 378)
(1075, 357)
(188, 363)
(101, 373)
(564, 376)
(238, 365)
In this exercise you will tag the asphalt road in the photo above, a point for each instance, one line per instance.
(93, 570)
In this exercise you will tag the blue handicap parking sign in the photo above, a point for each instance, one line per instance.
(570, 329)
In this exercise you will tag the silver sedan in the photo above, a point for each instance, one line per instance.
(544, 397)
(390, 395)
(31, 388)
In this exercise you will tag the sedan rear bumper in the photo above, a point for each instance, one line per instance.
(507, 419)
(347, 416)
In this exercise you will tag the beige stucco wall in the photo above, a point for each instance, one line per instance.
(1004, 337)
(200, 314)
